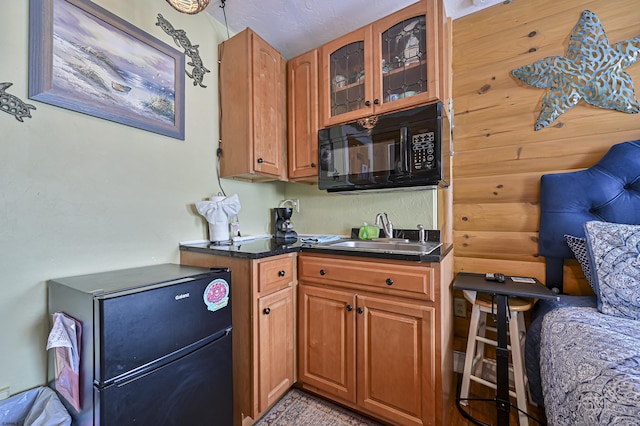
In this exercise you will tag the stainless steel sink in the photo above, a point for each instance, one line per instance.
(383, 246)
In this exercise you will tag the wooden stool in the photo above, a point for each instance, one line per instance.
(475, 357)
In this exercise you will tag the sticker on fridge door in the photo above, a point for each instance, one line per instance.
(216, 295)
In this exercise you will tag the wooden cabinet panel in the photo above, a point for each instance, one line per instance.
(268, 132)
(275, 274)
(396, 360)
(275, 346)
(326, 341)
(302, 108)
(401, 342)
(389, 65)
(409, 37)
(252, 103)
(346, 86)
(399, 279)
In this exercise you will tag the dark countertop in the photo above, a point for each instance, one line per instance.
(258, 249)
(254, 249)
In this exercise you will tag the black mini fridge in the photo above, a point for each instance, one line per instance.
(155, 345)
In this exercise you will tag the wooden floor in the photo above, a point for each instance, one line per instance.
(486, 411)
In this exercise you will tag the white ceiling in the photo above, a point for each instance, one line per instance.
(295, 26)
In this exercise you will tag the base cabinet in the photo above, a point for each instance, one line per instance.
(263, 306)
(371, 347)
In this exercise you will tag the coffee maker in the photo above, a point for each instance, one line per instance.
(282, 227)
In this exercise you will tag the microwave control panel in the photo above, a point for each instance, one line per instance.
(423, 151)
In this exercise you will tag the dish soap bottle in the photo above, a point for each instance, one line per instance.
(368, 232)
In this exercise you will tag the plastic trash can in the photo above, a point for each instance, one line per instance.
(36, 407)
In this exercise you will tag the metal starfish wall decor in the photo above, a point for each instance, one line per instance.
(13, 105)
(180, 38)
(592, 70)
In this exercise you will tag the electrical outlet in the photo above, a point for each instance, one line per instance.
(4, 392)
(459, 307)
(297, 205)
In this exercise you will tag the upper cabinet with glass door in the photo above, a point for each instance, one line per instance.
(389, 65)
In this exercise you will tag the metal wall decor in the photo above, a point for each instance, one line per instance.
(13, 105)
(180, 38)
(593, 70)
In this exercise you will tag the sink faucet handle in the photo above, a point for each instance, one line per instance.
(421, 234)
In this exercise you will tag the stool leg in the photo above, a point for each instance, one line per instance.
(478, 360)
(518, 368)
(468, 359)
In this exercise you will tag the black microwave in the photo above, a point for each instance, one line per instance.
(402, 150)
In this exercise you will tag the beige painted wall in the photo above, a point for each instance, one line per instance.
(324, 213)
(80, 194)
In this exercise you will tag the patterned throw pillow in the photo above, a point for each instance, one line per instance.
(614, 250)
(579, 248)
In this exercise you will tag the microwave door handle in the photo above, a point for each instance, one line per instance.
(404, 149)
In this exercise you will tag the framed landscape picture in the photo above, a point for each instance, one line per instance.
(84, 58)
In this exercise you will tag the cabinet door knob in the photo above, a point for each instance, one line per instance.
(376, 101)
(313, 165)
(359, 310)
(322, 272)
(267, 311)
(281, 273)
(367, 103)
(260, 160)
(349, 308)
(389, 281)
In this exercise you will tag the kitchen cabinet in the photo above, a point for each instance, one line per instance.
(252, 109)
(263, 306)
(389, 65)
(302, 113)
(375, 335)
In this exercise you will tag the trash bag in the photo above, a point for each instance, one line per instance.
(36, 407)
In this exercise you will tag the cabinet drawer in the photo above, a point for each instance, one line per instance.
(275, 274)
(403, 280)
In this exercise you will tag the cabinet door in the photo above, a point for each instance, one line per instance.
(275, 346)
(268, 127)
(396, 344)
(346, 83)
(326, 340)
(405, 57)
(302, 91)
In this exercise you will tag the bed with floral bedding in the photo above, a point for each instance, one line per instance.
(583, 352)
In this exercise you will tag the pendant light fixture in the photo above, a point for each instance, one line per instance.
(190, 7)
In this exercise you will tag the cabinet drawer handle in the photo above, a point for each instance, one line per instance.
(322, 272)
(260, 160)
(367, 103)
(349, 308)
(376, 101)
(359, 310)
(281, 273)
(267, 311)
(313, 165)
(389, 281)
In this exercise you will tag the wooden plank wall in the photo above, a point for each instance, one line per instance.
(499, 157)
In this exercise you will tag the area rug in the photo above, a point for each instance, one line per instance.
(300, 408)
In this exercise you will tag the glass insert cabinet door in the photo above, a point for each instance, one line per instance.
(347, 70)
(404, 59)
(386, 66)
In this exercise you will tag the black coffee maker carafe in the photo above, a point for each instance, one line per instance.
(283, 229)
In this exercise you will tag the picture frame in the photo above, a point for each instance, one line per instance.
(86, 59)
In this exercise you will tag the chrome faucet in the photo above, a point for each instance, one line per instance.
(421, 234)
(382, 219)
